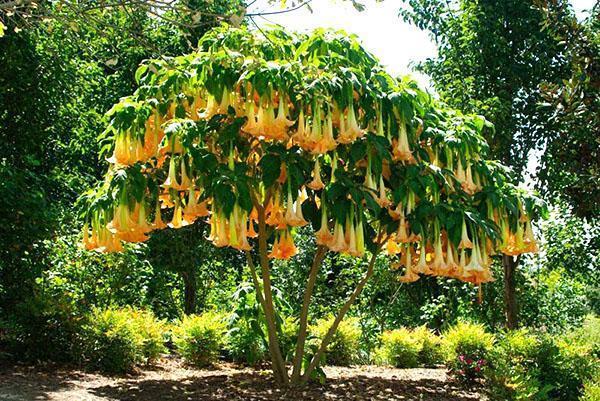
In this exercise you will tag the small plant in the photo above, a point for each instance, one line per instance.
(525, 366)
(112, 342)
(246, 342)
(152, 333)
(466, 348)
(399, 348)
(288, 336)
(343, 349)
(200, 338)
(42, 328)
(430, 352)
(591, 391)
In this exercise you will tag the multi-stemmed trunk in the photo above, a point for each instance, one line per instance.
(262, 285)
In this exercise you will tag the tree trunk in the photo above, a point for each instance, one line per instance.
(510, 295)
(279, 368)
(303, 325)
(316, 359)
(190, 289)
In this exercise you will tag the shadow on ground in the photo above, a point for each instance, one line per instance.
(32, 383)
(257, 387)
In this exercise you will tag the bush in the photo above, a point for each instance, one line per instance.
(399, 348)
(343, 349)
(466, 346)
(430, 352)
(112, 342)
(151, 332)
(525, 366)
(591, 391)
(42, 328)
(588, 335)
(200, 338)
(246, 342)
(288, 337)
(404, 348)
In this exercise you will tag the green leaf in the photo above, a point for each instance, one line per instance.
(270, 165)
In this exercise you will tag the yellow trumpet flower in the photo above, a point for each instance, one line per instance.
(409, 275)
(465, 242)
(323, 236)
(316, 184)
(338, 242)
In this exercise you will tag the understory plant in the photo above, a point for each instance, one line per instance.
(344, 347)
(467, 347)
(200, 339)
(115, 340)
(409, 348)
(524, 365)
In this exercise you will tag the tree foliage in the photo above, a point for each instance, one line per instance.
(492, 58)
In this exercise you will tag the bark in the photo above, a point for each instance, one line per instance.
(279, 368)
(510, 295)
(190, 291)
(303, 324)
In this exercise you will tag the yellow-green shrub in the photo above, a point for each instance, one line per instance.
(588, 335)
(466, 346)
(116, 339)
(288, 337)
(152, 332)
(466, 338)
(399, 348)
(528, 366)
(591, 391)
(200, 338)
(343, 349)
(430, 346)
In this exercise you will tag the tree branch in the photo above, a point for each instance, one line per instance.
(302, 329)
(317, 356)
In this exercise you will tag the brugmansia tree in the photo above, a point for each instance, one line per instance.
(259, 135)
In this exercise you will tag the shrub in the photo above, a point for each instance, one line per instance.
(117, 339)
(466, 346)
(399, 348)
(42, 328)
(591, 391)
(405, 348)
(430, 352)
(151, 331)
(588, 335)
(200, 338)
(288, 337)
(525, 366)
(112, 343)
(343, 349)
(246, 342)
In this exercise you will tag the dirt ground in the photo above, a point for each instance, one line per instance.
(171, 380)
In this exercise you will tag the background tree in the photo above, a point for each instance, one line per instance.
(492, 58)
(570, 165)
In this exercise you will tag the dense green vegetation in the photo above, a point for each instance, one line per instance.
(530, 68)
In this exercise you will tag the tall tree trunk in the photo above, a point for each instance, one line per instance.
(190, 289)
(510, 295)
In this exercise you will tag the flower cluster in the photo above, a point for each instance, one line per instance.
(468, 368)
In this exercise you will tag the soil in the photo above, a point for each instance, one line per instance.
(170, 379)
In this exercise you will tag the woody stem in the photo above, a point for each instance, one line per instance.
(302, 329)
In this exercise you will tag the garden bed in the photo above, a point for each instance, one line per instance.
(169, 379)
